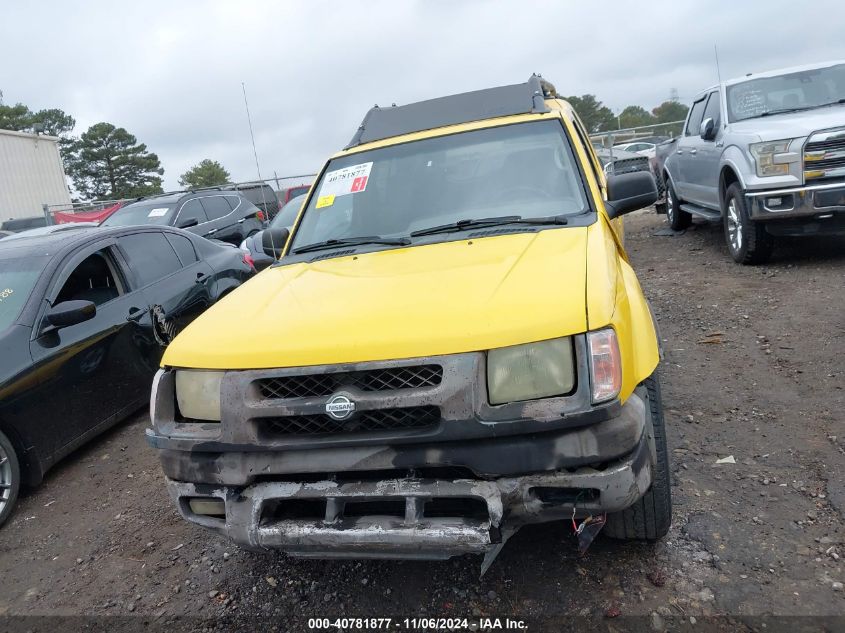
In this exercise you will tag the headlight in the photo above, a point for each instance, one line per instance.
(765, 153)
(244, 246)
(605, 364)
(198, 394)
(533, 370)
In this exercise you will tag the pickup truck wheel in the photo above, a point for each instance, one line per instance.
(10, 478)
(677, 218)
(650, 517)
(748, 242)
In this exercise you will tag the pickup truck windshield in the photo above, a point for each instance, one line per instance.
(802, 90)
(524, 170)
(17, 278)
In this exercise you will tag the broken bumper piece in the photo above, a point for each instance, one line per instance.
(410, 518)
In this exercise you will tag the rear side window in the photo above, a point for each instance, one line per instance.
(184, 248)
(150, 256)
(192, 210)
(216, 207)
(694, 121)
(234, 201)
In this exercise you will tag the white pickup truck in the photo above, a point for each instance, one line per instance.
(765, 155)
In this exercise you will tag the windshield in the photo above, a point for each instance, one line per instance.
(145, 212)
(786, 93)
(17, 278)
(524, 170)
(284, 218)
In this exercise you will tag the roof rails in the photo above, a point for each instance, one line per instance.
(527, 98)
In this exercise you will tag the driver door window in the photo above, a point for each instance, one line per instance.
(94, 279)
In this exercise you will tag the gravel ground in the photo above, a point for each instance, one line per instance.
(754, 369)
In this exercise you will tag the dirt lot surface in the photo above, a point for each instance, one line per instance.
(754, 369)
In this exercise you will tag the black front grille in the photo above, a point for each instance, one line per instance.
(359, 422)
(629, 165)
(318, 385)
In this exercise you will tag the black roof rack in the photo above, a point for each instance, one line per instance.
(527, 98)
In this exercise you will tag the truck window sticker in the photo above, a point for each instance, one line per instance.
(341, 182)
(158, 212)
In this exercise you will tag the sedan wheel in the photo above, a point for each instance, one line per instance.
(10, 476)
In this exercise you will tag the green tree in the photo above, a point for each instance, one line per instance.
(53, 122)
(670, 111)
(635, 116)
(206, 173)
(17, 118)
(107, 162)
(593, 113)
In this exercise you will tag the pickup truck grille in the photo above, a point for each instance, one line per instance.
(824, 155)
(319, 385)
(629, 165)
(362, 422)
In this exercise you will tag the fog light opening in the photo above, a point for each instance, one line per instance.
(207, 506)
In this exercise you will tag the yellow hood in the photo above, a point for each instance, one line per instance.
(441, 298)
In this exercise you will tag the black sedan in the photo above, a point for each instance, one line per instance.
(85, 315)
(284, 220)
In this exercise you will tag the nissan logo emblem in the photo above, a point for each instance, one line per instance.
(340, 407)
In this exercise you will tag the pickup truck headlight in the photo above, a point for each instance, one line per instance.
(764, 155)
(530, 371)
(605, 364)
(198, 394)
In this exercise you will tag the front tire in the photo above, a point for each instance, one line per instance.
(678, 219)
(748, 241)
(10, 478)
(651, 516)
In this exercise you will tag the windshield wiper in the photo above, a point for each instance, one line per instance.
(800, 108)
(352, 241)
(462, 225)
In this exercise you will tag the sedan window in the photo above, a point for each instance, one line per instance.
(150, 256)
(183, 247)
(94, 279)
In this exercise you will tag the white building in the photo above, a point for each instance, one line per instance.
(31, 174)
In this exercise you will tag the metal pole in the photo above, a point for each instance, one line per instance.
(47, 214)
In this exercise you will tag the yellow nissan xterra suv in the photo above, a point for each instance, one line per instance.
(452, 344)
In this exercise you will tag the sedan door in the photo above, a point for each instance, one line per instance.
(89, 375)
(175, 281)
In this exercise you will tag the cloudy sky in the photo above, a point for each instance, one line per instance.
(170, 72)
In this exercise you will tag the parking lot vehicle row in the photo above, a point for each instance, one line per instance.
(85, 315)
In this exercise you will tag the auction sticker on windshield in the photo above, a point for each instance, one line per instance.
(352, 179)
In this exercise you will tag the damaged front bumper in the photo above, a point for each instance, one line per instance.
(410, 517)
(461, 486)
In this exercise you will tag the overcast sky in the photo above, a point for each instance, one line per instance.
(171, 72)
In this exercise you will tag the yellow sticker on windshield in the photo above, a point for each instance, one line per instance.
(325, 201)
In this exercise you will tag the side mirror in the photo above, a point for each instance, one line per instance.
(187, 223)
(629, 192)
(708, 129)
(69, 313)
(273, 242)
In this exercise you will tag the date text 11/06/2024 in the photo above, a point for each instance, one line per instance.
(419, 624)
